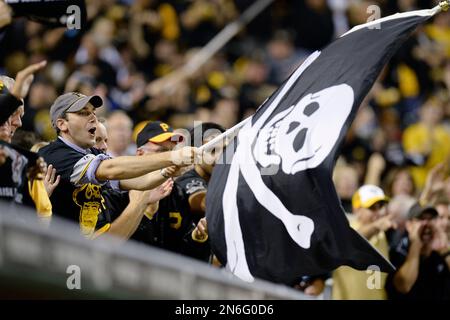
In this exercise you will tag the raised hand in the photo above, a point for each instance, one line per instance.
(201, 230)
(172, 171)
(184, 156)
(386, 222)
(24, 78)
(50, 182)
(377, 162)
(436, 177)
(159, 192)
(440, 241)
(414, 228)
(5, 14)
(435, 183)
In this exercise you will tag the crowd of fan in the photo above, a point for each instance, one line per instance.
(392, 175)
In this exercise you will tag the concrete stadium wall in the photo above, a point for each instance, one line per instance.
(36, 261)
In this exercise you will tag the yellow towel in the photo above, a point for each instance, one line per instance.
(40, 198)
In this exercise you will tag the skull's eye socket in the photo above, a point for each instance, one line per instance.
(311, 108)
(299, 140)
(292, 126)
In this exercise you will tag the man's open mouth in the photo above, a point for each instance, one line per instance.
(92, 130)
(427, 233)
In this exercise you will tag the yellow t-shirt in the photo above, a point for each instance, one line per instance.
(39, 195)
(351, 284)
(441, 35)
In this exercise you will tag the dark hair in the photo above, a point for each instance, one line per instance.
(24, 139)
(206, 128)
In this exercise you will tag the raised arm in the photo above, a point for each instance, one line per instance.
(375, 167)
(5, 14)
(9, 102)
(128, 221)
(129, 167)
(407, 274)
(434, 184)
(150, 180)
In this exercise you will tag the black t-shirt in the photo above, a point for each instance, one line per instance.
(115, 201)
(13, 179)
(80, 202)
(433, 281)
(172, 225)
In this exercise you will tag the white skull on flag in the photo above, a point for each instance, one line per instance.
(303, 135)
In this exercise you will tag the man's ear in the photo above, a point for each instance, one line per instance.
(61, 124)
(139, 152)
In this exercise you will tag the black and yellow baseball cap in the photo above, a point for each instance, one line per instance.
(157, 132)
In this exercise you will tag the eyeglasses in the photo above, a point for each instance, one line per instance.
(85, 113)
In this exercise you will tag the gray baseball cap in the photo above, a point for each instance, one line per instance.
(72, 102)
(417, 211)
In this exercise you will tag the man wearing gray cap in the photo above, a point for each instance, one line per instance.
(85, 170)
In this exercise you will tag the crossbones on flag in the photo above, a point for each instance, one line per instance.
(272, 209)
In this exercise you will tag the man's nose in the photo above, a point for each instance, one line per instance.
(17, 122)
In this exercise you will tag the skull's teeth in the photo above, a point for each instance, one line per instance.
(272, 144)
(271, 141)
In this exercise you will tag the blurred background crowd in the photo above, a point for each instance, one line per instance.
(400, 139)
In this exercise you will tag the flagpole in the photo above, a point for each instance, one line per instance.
(224, 135)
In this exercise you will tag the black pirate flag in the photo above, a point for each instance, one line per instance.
(272, 210)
